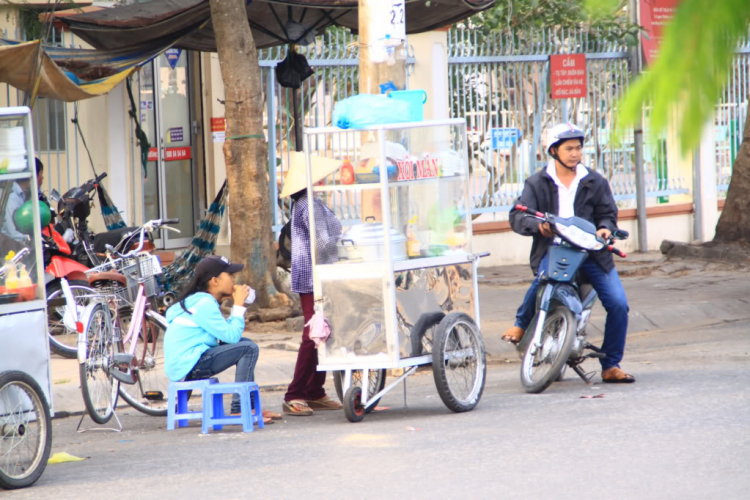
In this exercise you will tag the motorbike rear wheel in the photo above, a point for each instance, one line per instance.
(63, 341)
(542, 365)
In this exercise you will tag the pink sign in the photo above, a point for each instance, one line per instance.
(655, 15)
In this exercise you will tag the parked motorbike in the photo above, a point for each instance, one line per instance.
(556, 337)
(73, 210)
(57, 266)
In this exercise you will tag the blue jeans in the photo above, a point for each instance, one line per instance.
(244, 354)
(612, 295)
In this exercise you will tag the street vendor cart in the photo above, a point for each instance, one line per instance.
(402, 292)
(25, 391)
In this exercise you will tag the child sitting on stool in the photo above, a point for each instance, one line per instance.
(192, 349)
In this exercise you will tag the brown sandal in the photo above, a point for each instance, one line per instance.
(513, 335)
(324, 403)
(296, 407)
(272, 415)
(615, 375)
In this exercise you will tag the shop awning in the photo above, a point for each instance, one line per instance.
(274, 22)
(67, 74)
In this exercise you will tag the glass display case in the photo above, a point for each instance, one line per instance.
(404, 259)
(23, 313)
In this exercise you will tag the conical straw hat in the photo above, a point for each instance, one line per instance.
(296, 180)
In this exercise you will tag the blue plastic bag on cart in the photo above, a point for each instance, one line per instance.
(369, 109)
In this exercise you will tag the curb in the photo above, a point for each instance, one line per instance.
(727, 253)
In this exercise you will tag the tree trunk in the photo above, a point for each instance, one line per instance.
(734, 222)
(246, 157)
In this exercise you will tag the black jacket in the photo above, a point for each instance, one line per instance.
(593, 202)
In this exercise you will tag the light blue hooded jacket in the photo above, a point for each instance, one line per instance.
(190, 334)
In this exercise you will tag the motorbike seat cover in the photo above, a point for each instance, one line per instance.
(107, 276)
(101, 240)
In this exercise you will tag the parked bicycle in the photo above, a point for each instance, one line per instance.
(121, 342)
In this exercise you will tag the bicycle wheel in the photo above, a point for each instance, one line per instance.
(98, 386)
(458, 362)
(542, 366)
(62, 340)
(25, 430)
(149, 393)
(377, 382)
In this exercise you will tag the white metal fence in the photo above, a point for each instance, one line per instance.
(495, 81)
(731, 113)
(501, 81)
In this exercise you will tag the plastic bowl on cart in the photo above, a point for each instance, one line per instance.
(20, 294)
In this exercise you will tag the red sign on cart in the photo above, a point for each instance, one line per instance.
(171, 154)
(568, 76)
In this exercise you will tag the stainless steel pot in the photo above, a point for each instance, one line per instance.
(367, 242)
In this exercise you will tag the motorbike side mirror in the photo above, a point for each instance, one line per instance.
(55, 196)
(619, 234)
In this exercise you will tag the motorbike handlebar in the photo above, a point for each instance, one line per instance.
(530, 211)
(617, 251)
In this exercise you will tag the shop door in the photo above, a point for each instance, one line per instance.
(169, 185)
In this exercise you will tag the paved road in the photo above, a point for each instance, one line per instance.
(682, 431)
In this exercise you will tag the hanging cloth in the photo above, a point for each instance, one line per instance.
(139, 133)
(112, 218)
(179, 272)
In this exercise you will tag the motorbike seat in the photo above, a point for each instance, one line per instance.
(102, 278)
(101, 240)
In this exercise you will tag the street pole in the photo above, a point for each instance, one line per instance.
(381, 67)
(640, 177)
(377, 68)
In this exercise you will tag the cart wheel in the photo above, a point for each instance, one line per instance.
(458, 362)
(353, 408)
(377, 383)
(26, 437)
(423, 332)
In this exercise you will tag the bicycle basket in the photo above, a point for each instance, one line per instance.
(149, 268)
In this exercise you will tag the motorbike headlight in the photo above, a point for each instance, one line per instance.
(579, 237)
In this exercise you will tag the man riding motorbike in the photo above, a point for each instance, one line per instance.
(566, 188)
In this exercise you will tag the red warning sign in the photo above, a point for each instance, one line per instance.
(568, 76)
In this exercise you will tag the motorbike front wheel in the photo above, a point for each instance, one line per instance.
(542, 363)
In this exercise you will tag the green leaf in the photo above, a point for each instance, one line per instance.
(691, 69)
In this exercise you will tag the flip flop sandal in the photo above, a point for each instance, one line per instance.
(272, 415)
(618, 377)
(266, 420)
(324, 403)
(296, 407)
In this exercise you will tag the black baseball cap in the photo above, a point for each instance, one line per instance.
(211, 267)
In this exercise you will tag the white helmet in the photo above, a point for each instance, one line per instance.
(562, 132)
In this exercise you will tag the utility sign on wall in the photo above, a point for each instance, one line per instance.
(568, 75)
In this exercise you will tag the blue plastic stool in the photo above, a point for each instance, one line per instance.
(213, 414)
(177, 402)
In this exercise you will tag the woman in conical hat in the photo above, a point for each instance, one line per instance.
(306, 393)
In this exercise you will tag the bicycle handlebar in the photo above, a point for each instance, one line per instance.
(148, 226)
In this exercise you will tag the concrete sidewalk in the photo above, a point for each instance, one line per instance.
(663, 294)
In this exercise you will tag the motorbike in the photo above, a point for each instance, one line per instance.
(73, 210)
(59, 265)
(556, 337)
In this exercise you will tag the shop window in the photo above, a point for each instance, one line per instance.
(49, 125)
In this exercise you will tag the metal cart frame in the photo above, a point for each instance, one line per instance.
(461, 264)
(25, 389)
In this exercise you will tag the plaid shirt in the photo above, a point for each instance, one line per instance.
(328, 232)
